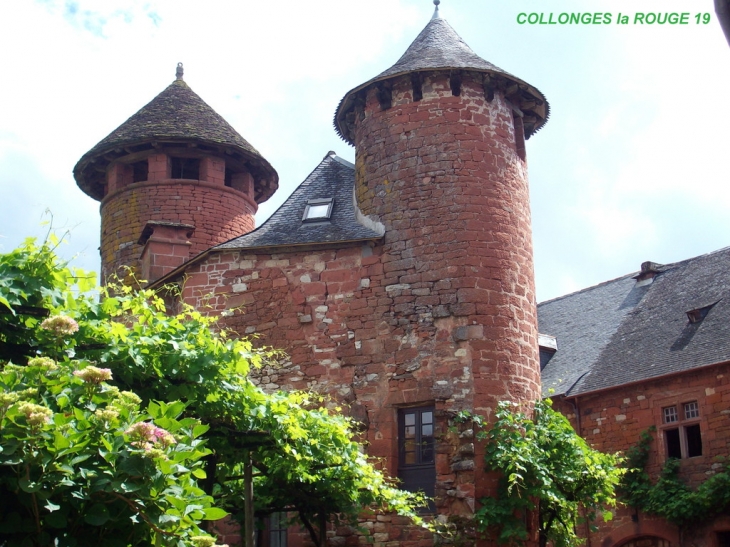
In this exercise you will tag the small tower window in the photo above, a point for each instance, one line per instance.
(318, 209)
(417, 86)
(519, 136)
(455, 83)
(140, 171)
(185, 168)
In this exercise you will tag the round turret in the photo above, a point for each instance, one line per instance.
(440, 163)
(177, 167)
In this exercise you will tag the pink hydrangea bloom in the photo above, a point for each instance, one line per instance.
(60, 325)
(149, 437)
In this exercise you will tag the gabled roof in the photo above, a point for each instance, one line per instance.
(437, 47)
(176, 115)
(622, 331)
(332, 178)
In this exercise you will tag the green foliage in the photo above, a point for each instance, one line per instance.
(304, 456)
(73, 471)
(544, 465)
(669, 497)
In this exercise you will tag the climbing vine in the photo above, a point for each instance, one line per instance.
(545, 466)
(669, 497)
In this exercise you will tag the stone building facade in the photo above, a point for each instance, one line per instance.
(649, 351)
(402, 286)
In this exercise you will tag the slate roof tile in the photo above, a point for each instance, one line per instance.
(437, 47)
(617, 332)
(334, 177)
(177, 114)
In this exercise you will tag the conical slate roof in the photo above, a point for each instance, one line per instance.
(177, 115)
(438, 47)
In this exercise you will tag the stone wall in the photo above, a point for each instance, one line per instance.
(612, 421)
(344, 334)
(444, 175)
(218, 213)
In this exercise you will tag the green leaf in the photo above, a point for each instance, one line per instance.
(60, 441)
(97, 515)
(29, 486)
(214, 513)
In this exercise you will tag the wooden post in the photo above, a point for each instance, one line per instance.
(322, 528)
(248, 523)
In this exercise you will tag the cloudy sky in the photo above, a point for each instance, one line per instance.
(632, 166)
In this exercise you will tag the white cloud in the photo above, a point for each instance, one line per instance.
(635, 144)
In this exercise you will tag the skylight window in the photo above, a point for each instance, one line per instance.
(318, 209)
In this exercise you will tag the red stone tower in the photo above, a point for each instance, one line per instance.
(440, 162)
(173, 180)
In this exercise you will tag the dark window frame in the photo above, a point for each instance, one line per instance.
(419, 474)
(425, 455)
(681, 430)
(318, 202)
(273, 530)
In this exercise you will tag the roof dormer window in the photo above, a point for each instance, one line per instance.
(318, 209)
(698, 314)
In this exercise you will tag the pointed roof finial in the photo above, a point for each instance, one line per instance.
(179, 72)
(436, 11)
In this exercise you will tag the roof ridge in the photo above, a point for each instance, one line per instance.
(586, 289)
(665, 267)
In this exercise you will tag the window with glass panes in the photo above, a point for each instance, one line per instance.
(416, 449)
(681, 429)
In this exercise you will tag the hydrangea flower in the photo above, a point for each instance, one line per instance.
(35, 414)
(127, 400)
(43, 362)
(8, 398)
(61, 325)
(106, 414)
(94, 375)
(205, 541)
(150, 438)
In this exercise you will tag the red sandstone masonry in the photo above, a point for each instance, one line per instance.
(441, 312)
(217, 212)
(612, 420)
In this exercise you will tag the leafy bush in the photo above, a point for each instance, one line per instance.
(544, 466)
(80, 464)
(304, 455)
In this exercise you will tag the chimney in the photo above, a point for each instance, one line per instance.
(649, 270)
(166, 246)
